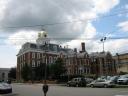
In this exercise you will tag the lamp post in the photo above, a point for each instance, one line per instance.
(118, 61)
(103, 40)
(45, 86)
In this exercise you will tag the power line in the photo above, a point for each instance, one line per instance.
(96, 38)
(65, 22)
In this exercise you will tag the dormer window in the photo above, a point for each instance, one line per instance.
(33, 46)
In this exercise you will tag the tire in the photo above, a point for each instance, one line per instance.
(127, 83)
(92, 86)
(68, 85)
(77, 85)
(105, 86)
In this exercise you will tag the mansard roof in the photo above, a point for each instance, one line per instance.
(48, 47)
(100, 54)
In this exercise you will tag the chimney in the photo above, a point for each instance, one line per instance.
(83, 46)
(75, 50)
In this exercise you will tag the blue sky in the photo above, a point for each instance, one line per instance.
(109, 24)
(13, 14)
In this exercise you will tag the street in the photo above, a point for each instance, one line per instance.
(54, 90)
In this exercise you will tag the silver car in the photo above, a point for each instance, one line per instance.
(123, 79)
(5, 88)
(102, 83)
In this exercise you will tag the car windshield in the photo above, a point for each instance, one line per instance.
(124, 76)
(111, 78)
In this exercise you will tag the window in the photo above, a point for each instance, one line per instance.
(38, 55)
(33, 55)
(33, 63)
(55, 48)
(50, 59)
(55, 58)
(3, 75)
(24, 56)
(33, 46)
(23, 64)
(43, 59)
(38, 63)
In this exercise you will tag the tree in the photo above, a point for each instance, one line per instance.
(122, 73)
(26, 72)
(39, 71)
(12, 73)
(58, 68)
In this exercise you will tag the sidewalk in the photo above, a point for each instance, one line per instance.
(39, 84)
(121, 86)
(10, 94)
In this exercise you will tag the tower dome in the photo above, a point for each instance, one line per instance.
(43, 38)
(42, 34)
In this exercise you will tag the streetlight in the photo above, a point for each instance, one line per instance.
(118, 61)
(103, 40)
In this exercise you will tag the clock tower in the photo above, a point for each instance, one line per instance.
(42, 38)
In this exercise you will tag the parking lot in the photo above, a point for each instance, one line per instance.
(58, 90)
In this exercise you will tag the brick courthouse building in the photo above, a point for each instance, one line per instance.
(44, 52)
(40, 52)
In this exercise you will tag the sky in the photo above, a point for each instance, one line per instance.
(67, 22)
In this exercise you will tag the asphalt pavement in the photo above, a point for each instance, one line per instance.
(57, 90)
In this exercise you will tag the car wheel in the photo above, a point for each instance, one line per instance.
(77, 85)
(105, 86)
(68, 85)
(127, 83)
(92, 86)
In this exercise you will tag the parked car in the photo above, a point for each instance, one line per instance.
(9, 81)
(102, 83)
(5, 88)
(77, 82)
(88, 80)
(114, 79)
(104, 78)
(123, 79)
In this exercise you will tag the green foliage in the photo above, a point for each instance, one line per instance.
(40, 71)
(122, 73)
(26, 72)
(12, 73)
(57, 68)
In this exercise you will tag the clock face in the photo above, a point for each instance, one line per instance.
(45, 35)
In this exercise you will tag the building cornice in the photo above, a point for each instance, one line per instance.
(40, 51)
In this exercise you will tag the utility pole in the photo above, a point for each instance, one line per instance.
(118, 62)
(103, 41)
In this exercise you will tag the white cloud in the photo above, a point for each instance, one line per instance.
(104, 6)
(32, 12)
(81, 29)
(89, 32)
(126, 6)
(21, 37)
(123, 26)
(3, 6)
(87, 37)
(100, 7)
(116, 46)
